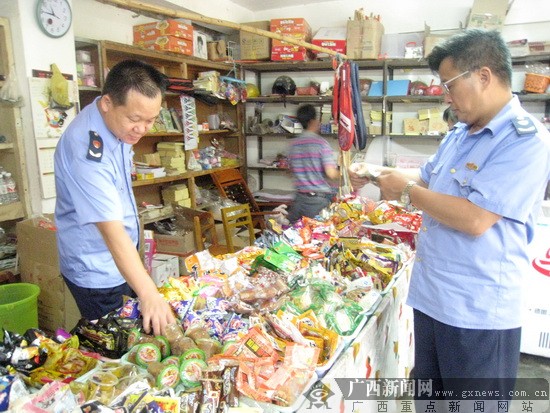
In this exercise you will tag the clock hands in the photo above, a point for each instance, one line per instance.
(51, 13)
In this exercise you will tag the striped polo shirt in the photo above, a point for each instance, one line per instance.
(309, 154)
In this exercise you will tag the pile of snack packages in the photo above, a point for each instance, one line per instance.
(259, 326)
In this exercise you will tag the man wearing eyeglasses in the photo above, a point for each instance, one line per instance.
(479, 195)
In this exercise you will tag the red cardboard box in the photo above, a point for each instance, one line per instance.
(150, 31)
(296, 36)
(287, 48)
(300, 56)
(333, 38)
(170, 44)
(292, 25)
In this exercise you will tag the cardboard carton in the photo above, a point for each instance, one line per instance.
(168, 27)
(488, 14)
(432, 39)
(333, 38)
(290, 25)
(364, 38)
(253, 46)
(163, 267)
(39, 264)
(169, 44)
(181, 246)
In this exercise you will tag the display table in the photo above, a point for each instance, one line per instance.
(383, 349)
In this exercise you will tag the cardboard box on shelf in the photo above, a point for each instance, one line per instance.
(182, 246)
(39, 264)
(364, 38)
(488, 14)
(168, 27)
(333, 38)
(300, 56)
(169, 44)
(253, 46)
(432, 39)
(295, 36)
(539, 47)
(290, 25)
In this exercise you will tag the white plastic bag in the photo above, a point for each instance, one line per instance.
(10, 90)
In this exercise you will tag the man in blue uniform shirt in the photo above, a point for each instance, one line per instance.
(479, 194)
(96, 214)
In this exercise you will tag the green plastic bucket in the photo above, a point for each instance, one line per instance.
(18, 307)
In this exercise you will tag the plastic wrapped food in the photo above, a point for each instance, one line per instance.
(166, 375)
(147, 353)
(191, 372)
(193, 353)
(181, 345)
(209, 346)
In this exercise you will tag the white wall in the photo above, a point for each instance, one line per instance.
(92, 19)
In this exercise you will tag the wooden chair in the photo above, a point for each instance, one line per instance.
(232, 185)
(234, 218)
(204, 229)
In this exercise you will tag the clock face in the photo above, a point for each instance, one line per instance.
(54, 17)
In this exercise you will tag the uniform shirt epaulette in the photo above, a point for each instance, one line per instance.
(95, 147)
(524, 125)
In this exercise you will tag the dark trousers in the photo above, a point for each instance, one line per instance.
(308, 204)
(94, 303)
(444, 353)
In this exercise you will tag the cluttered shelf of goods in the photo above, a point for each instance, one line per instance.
(259, 329)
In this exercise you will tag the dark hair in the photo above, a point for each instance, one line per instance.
(133, 75)
(449, 115)
(471, 50)
(305, 113)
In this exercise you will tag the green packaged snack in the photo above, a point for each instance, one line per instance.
(164, 346)
(165, 375)
(147, 353)
(175, 360)
(193, 353)
(134, 335)
(191, 371)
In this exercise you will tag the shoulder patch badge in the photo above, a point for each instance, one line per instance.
(524, 126)
(95, 147)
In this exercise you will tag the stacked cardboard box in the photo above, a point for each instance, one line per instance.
(364, 37)
(177, 194)
(172, 156)
(297, 28)
(39, 264)
(167, 35)
(253, 46)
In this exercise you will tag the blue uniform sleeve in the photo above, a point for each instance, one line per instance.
(94, 187)
(513, 178)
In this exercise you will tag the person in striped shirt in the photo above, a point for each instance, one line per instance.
(313, 163)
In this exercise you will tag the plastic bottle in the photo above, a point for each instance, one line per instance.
(3, 190)
(12, 195)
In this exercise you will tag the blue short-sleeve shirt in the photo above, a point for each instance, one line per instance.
(91, 191)
(475, 282)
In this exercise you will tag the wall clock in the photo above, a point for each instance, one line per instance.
(54, 17)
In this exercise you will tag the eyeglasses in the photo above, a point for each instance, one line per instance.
(446, 84)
